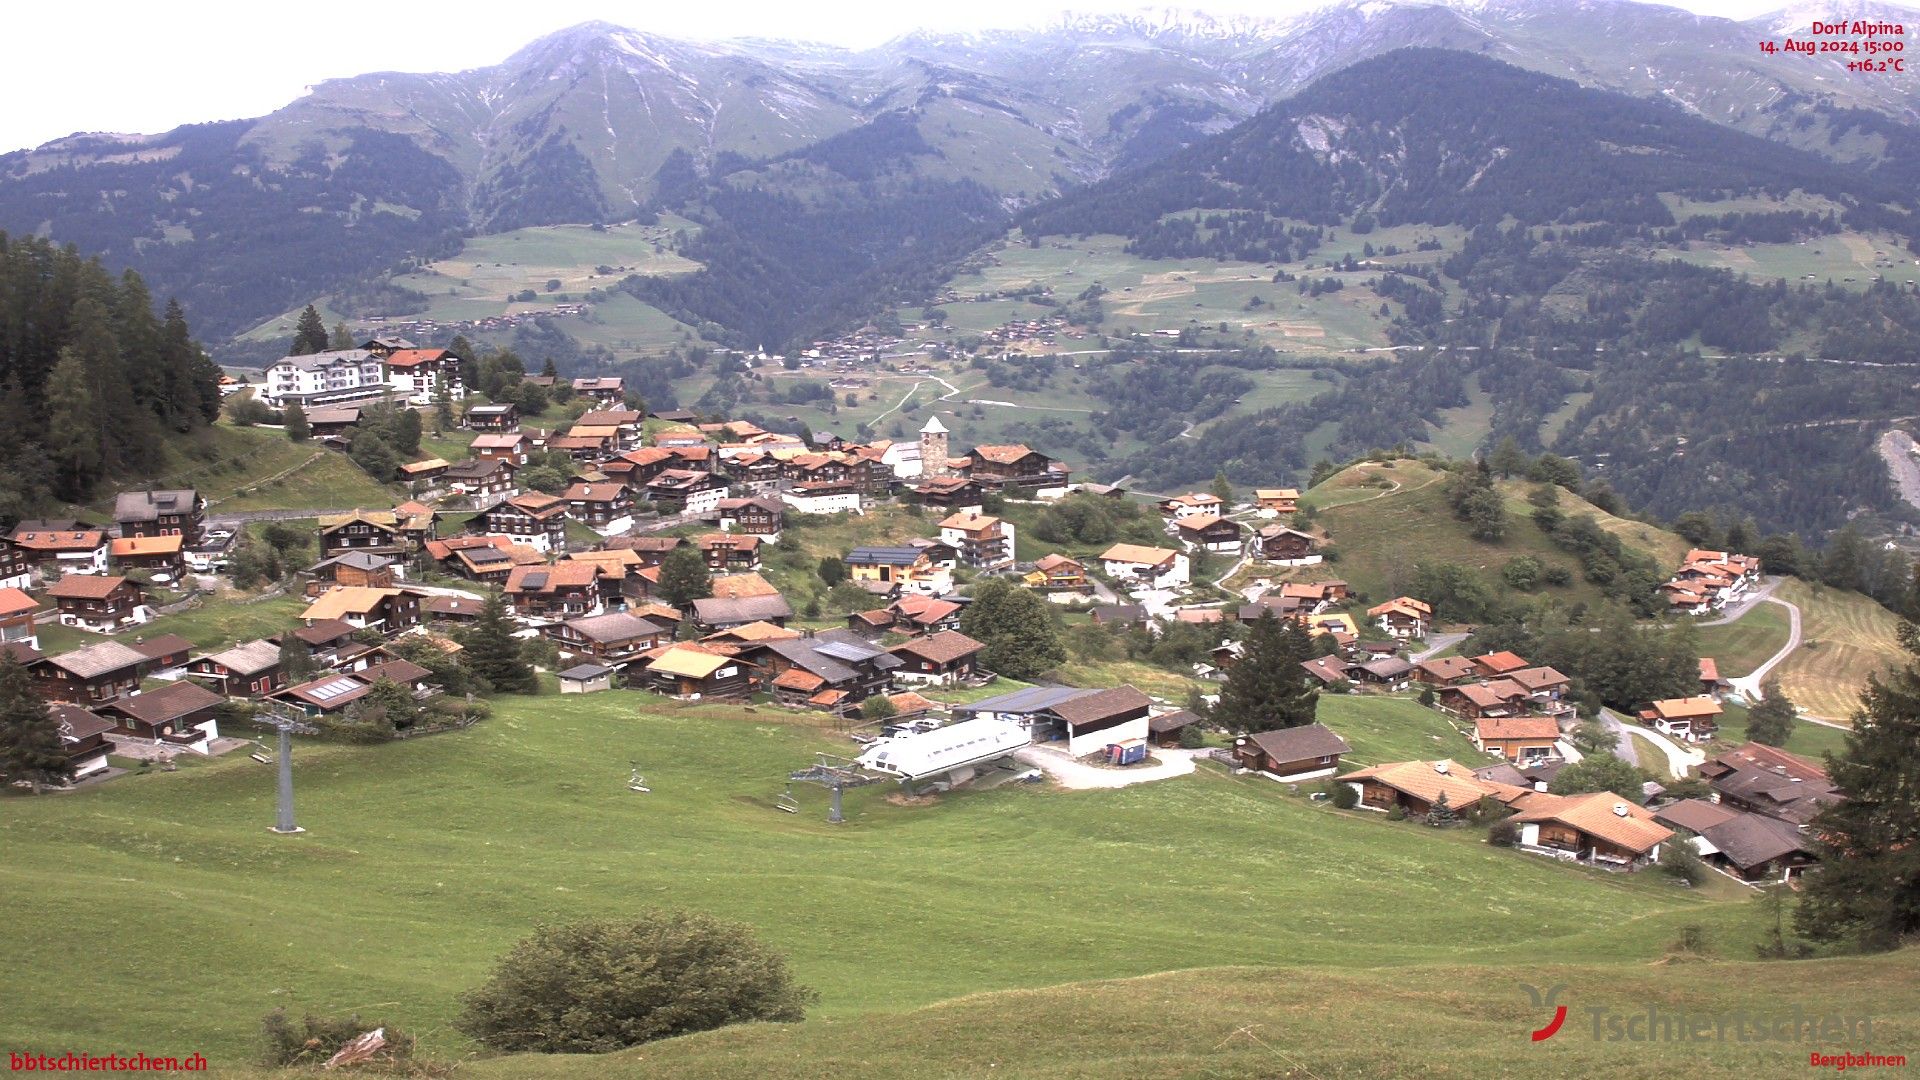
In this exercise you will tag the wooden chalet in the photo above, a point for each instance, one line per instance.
(1287, 547)
(83, 739)
(756, 517)
(69, 547)
(1403, 617)
(171, 512)
(18, 612)
(249, 669)
(1057, 573)
(729, 553)
(358, 568)
(1414, 787)
(162, 557)
(1693, 719)
(615, 640)
(693, 672)
(1278, 500)
(375, 532)
(104, 605)
(1527, 740)
(90, 676)
(604, 507)
(482, 479)
(534, 520)
(1293, 754)
(493, 417)
(564, 590)
(1599, 828)
(998, 468)
(944, 658)
(179, 714)
(388, 611)
(1208, 532)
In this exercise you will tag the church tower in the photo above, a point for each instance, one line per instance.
(933, 448)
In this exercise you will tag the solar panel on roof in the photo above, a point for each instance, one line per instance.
(535, 581)
(842, 650)
(327, 691)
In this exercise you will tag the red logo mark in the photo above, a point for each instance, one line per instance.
(1545, 1000)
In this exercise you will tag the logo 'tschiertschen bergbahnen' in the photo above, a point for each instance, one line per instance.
(1654, 1023)
(1548, 1000)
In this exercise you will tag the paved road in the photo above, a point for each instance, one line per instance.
(1437, 644)
(1069, 773)
(1732, 614)
(1748, 685)
(236, 517)
(1680, 761)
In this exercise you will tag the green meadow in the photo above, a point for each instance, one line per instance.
(157, 910)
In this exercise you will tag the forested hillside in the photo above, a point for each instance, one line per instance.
(95, 381)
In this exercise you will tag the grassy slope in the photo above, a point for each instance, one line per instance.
(426, 859)
(1381, 534)
(1844, 638)
(239, 472)
(1743, 645)
(1808, 739)
(1327, 1024)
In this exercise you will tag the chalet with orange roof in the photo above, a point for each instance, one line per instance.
(510, 447)
(1415, 786)
(536, 520)
(1486, 699)
(1192, 505)
(1599, 828)
(70, 547)
(422, 376)
(946, 658)
(686, 491)
(982, 541)
(17, 611)
(1493, 665)
(100, 603)
(1277, 500)
(1403, 617)
(1526, 740)
(603, 507)
(1443, 671)
(1136, 566)
(1059, 576)
(1693, 719)
(955, 494)
(606, 392)
(564, 590)
(693, 671)
(389, 611)
(729, 553)
(164, 557)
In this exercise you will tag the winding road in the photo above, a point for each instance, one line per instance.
(1748, 685)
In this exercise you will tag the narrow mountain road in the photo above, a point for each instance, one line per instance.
(1734, 613)
(1748, 685)
(1680, 761)
(1436, 645)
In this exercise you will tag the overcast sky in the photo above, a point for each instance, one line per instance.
(148, 67)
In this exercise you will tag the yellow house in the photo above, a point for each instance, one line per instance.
(911, 568)
(1057, 572)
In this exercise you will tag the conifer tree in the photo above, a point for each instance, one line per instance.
(294, 419)
(1771, 720)
(73, 430)
(342, 338)
(1266, 688)
(493, 654)
(1222, 489)
(1868, 886)
(309, 334)
(684, 577)
(30, 746)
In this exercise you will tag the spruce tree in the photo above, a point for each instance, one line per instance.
(309, 335)
(294, 419)
(1222, 489)
(493, 654)
(1017, 629)
(30, 746)
(1868, 887)
(1771, 720)
(342, 338)
(684, 577)
(73, 431)
(1267, 688)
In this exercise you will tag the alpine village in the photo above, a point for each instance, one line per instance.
(991, 673)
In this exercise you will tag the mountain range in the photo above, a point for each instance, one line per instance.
(245, 218)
